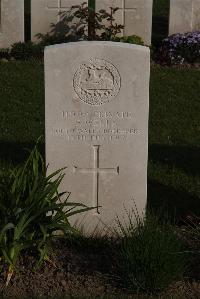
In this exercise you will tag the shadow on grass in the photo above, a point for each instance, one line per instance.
(171, 203)
(16, 153)
(177, 204)
(182, 157)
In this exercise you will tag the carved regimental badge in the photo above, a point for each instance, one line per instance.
(97, 82)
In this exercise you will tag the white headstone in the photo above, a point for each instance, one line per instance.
(97, 96)
(46, 12)
(134, 15)
(11, 22)
(184, 16)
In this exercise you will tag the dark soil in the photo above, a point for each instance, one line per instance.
(86, 269)
(73, 271)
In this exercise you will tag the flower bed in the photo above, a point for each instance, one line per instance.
(180, 48)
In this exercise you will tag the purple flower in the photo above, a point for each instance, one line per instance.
(180, 48)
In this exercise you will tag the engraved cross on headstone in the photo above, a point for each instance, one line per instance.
(57, 5)
(124, 10)
(96, 171)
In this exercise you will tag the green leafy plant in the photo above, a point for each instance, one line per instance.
(4, 53)
(25, 51)
(105, 24)
(150, 255)
(81, 22)
(32, 211)
(72, 26)
(132, 39)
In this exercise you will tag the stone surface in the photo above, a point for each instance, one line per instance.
(184, 16)
(97, 97)
(11, 22)
(46, 12)
(135, 15)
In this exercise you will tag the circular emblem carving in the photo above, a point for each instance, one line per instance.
(96, 82)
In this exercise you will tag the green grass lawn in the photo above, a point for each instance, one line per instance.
(22, 109)
(174, 139)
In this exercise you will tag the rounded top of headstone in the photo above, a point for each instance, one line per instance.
(98, 44)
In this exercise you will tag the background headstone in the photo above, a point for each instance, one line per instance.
(184, 16)
(46, 12)
(97, 96)
(134, 15)
(11, 22)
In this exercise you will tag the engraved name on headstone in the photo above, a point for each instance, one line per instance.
(47, 12)
(134, 15)
(11, 22)
(97, 126)
(184, 16)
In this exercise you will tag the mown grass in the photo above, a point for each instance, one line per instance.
(22, 109)
(174, 146)
(174, 138)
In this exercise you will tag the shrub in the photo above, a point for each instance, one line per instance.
(4, 54)
(132, 39)
(81, 22)
(150, 255)
(67, 29)
(180, 48)
(31, 211)
(25, 51)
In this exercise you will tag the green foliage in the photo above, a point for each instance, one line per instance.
(81, 22)
(25, 51)
(105, 24)
(32, 213)
(150, 254)
(132, 39)
(67, 29)
(4, 53)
